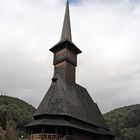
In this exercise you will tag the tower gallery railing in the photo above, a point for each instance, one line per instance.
(50, 136)
(45, 136)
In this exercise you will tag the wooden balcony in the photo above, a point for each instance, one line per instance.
(46, 136)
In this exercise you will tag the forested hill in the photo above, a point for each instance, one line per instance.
(14, 114)
(125, 121)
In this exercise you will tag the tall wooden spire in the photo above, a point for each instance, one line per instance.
(66, 30)
(65, 52)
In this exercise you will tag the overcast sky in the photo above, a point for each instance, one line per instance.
(107, 31)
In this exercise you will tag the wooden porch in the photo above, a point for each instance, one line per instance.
(45, 136)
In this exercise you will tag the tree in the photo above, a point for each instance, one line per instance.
(2, 134)
(126, 122)
(11, 133)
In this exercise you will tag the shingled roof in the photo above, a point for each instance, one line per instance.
(70, 100)
(69, 105)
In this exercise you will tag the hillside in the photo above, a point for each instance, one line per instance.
(14, 114)
(125, 122)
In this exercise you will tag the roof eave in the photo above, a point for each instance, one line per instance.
(62, 44)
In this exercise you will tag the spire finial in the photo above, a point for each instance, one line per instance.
(66, 31)
(67, 2)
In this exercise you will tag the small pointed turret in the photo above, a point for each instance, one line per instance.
(66, 30)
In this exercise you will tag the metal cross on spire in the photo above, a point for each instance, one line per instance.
(66, 30)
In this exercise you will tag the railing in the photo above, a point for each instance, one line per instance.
(36, 136)
(60, 138)
(45, 136)
(66, 137)
(49, 136)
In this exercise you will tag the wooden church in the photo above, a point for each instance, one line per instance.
(67, 112)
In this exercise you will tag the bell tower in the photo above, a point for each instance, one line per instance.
(65, 52)
(67, 112)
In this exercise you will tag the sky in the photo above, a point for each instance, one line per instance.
(107, 32)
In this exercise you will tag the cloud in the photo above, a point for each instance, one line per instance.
(106, 31)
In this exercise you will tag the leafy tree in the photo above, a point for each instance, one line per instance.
(2, 134)
(125, 121)
(11, 133)
(14, 114)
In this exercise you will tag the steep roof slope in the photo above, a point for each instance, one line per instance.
(70, 100)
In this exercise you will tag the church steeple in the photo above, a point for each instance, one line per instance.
(66, 30)
(67, 112)
(65, 52)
